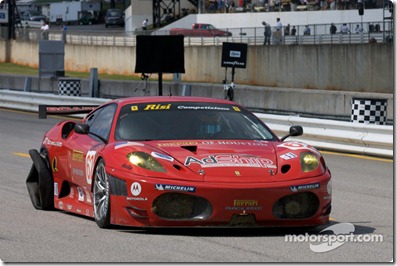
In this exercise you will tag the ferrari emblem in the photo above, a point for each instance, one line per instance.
(237, 173)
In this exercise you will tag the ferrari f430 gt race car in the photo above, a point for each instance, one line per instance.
(178, 161)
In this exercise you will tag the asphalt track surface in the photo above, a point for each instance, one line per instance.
(363, 195)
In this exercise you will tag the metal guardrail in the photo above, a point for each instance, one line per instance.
(373, 32)
(368, 139)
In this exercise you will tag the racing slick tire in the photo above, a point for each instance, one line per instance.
(40, 182)
(101, 193)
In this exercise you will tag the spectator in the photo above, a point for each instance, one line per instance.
(44, 29)
(286, 30)
(332, 4)
(64, 29)
(268, 33)
(279, 25)
(332, 29)
(144, 24)
(323, 4)
(358, 29)
(293, 31)
(307, 30)
(344, 29)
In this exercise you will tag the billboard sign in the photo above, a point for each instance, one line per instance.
(234, 55)
(3, 16)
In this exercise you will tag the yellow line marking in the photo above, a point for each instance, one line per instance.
(359, 156)
(21, 154)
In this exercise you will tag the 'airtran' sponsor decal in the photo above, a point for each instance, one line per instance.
(175, 188)
(157, 107)
(49, 142)
(162, 156)
(304, 187)
(231, 160)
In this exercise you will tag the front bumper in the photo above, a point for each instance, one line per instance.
(157, 202)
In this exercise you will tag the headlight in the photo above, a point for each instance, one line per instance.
(309, 161)
(145, 161)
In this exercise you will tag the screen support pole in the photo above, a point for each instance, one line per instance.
(160, 84)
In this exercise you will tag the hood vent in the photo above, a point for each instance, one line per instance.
(190, 148)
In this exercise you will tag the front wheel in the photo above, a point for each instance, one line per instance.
(101, 196)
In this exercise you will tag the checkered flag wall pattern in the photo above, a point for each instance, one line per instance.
(369, 111)
(70, 87)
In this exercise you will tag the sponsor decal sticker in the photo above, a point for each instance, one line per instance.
(78, 172)
(175, 188)
(288, 156)
(81, 194)
(136, 188)
(304, 187)
(244, 205)
(157, 107)
(187, 143)
(126, 144)
(134, 108)
(162, 156)
(137, 198)
(78, 156)
(56, 193)
(235, 108)
(49, 142)
(231, 160)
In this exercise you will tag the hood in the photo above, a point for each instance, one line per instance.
(225, 161)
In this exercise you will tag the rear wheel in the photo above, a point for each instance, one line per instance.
(101, 196)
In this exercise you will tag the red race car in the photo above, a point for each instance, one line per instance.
(177, 161)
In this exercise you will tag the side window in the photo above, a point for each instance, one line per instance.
(100, 122)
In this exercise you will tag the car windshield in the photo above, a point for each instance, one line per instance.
(182, 121)
(114, 14)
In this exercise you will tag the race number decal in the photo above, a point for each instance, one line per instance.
(89, 165)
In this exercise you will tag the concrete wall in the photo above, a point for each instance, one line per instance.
(353, 67)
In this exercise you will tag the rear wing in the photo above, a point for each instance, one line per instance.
(45, 110)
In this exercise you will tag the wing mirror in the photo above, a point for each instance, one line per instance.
(294, 131)
(84, 129)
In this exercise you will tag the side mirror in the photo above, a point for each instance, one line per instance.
(294, 131)
(83, 129)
